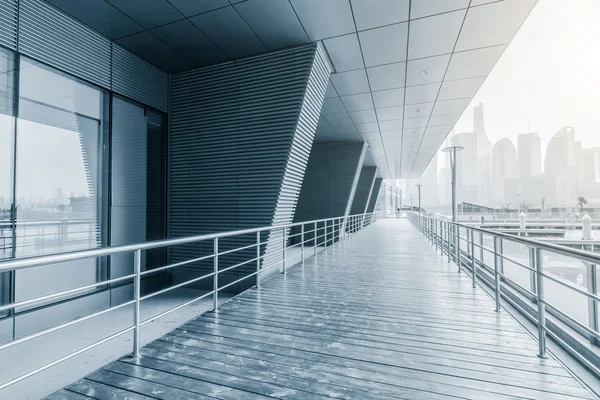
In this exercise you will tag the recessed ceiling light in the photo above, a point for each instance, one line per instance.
(417, 110)
(425, 72)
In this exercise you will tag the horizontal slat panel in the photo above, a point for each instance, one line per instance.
(50, 36)
(363, 190)
(8, 24)
(374, 195)
(239, 134)
(138, 80)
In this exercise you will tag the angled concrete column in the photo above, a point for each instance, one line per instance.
(375, 193)
(241, 134)
(363, 190)
(330, 181)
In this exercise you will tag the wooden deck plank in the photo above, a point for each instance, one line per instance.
(380, 315)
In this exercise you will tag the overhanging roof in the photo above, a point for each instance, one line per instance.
(405, 70)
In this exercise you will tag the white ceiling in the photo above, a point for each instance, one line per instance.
(408, 70)
(404, 69)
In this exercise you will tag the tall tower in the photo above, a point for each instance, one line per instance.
(478, 124)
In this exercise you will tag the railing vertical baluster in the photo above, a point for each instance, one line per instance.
(435, 234)
(473, 261)
(592, 287)
(137, 267)
(448, 240)
(501, 254)
(532, 274)
(496, 275)
(258, 259)
(315, 239)
(539, 267)
(481, 247)
(458, 248)
(284, 251)
(216, 276)
(302, 243)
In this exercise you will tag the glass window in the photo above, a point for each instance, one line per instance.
(59, 166)
(138, 182)
(7, 125)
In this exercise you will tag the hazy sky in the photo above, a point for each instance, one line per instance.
(549, 76)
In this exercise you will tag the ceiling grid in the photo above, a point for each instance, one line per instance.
(405, 70)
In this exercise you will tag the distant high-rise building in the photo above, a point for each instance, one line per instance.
(560, 164)
(529, 153)
(474, 167)
(478, 124)
(504, 175)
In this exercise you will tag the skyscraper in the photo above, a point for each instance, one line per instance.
(560, 164)
(504, 175)
(478, 124)
(529, 147)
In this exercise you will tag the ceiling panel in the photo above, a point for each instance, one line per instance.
(358, 102)
(100, 16)
(471, 63)
(447, 119)
(344, 52)
(450, 106)
(460, 89)
(228, 30)
(367, 127)
(345, 129)
(422, 93)
(338, 119)
(426, 70)
(324, 19)
(330, 92)
(384, 45)
(151, 48)
(388, 76)
(374, 13)
(433, 36)
(418, 110)
(332, 106)
(493, 23)
(191, 8)
(420, 122)
(425, 8)
(391, 125)
(351, 82)
(388, 98)
(360, 117)
(148, 13)
(186, 38)
(388, 113)
(274, 22)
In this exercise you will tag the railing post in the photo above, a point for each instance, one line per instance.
(501, 255)
(302, 243)
(315, 239)
(592, 287)
(258, 259)
(496, 275)
(458, 248)
(448, 240)
(283, 263)
(541, 305)
(435, 233)
(216, 276)
(473, 261)
(532, 274)
(137, 266)
(481, 247)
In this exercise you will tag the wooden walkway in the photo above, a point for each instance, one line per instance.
(378, 316)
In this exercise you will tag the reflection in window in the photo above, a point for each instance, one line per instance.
(7, 125)
(58, 163)
(58, 177)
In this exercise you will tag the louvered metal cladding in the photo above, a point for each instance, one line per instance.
(136, 79)
(330, 180)
(363, 190)
(8, 23)
(240, 135)
(50, 36)
(374, 194)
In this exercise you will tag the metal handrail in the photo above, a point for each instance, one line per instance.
(334, 229)
(446, 235)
